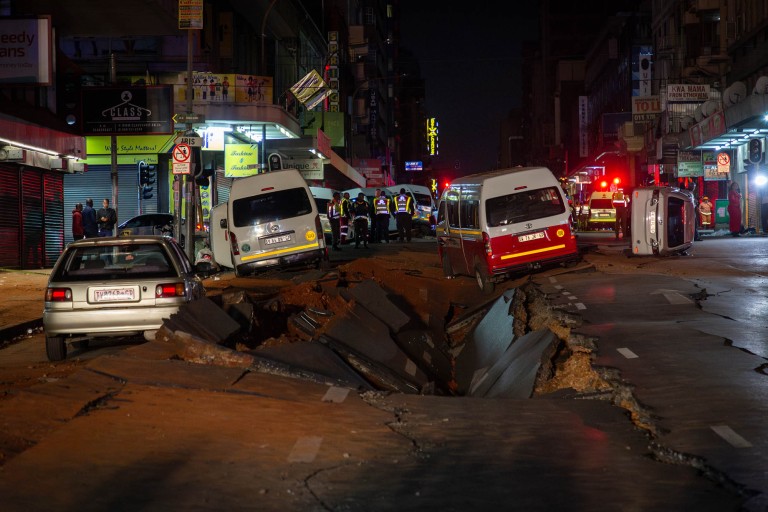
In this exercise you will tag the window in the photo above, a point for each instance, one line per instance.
(524, 206)
(271, 207)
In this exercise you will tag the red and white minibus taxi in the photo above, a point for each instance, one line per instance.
(494, 224)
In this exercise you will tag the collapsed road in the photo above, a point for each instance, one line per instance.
(525, 369)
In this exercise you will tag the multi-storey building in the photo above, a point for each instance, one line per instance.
(221, 73)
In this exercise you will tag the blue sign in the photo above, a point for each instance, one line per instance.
(415, 165)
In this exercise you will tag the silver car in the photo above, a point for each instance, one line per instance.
(116, 286)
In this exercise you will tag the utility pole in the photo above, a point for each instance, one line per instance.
(190, 19)
(113, 142)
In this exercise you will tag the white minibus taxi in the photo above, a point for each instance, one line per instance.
(271, 221)
(493, 224)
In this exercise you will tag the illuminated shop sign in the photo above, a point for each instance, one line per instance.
(414, 166)
(432, 136)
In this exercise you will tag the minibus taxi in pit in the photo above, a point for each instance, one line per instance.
(494, 224)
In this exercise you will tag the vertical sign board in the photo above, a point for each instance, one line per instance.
(191, 14)
(333, 71)
(583, 127)
(432, 129)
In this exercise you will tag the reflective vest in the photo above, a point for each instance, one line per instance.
(403, 202)
(382, 206)
(618, 200)
(345, 204)
(334, 210)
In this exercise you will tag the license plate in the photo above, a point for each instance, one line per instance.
(277, 239)
(532, 236)
(114, 294)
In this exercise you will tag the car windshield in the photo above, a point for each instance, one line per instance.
(270, 207)
(114, 262)
(524, 206)
(423, 199)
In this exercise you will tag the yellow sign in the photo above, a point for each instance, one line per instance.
(241, 160)
(129, 144)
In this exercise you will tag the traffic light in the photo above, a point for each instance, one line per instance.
(146, 173)
(147, 176)
(755, 150)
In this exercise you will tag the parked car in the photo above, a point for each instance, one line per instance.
(147, 224)
(116, 286)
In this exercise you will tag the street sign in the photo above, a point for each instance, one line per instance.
(181, 168)
(188, 117)
(181, 153)
(195, 142)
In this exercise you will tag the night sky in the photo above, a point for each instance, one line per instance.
(471, 62)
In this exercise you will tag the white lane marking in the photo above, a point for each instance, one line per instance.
(410, 367)
(335, 394)
(627, 353)
(673, 296)
(552, 279)
(579, 305)
(305, 449)
(732, 437)
(427, 357)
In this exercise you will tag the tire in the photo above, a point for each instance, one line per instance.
(447, 267)
(483, 280)
(55, 348)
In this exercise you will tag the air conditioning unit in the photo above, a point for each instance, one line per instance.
(11, 153)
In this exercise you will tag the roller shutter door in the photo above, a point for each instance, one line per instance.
(10, 227)
(97, 184)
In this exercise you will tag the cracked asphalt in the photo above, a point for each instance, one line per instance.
(681, 342)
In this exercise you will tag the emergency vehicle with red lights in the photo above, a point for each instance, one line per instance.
(494, 224)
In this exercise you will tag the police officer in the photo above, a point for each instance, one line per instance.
(382, 209)
(403, 215)
(619, 201)
(360, 210)
(334, 218)
(346, 217)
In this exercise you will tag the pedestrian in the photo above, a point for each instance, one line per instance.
(346, 217)
(360, 210)
(705, 213)
(734, 209)
(403, 215)
(77, 222)
(334, 218)
(382, 208)
(619, 202)
(90, 223)
(107, 218)
(373, 229)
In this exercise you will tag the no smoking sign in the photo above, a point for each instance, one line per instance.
(181, 153)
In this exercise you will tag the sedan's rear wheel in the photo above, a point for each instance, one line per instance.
(55, 348)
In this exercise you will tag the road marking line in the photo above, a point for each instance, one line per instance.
(427, 357)
(732, 437)
(410, 368)
(305, 449)
(552, 279)
(627, 353)
(579, 305)
(335, 394)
